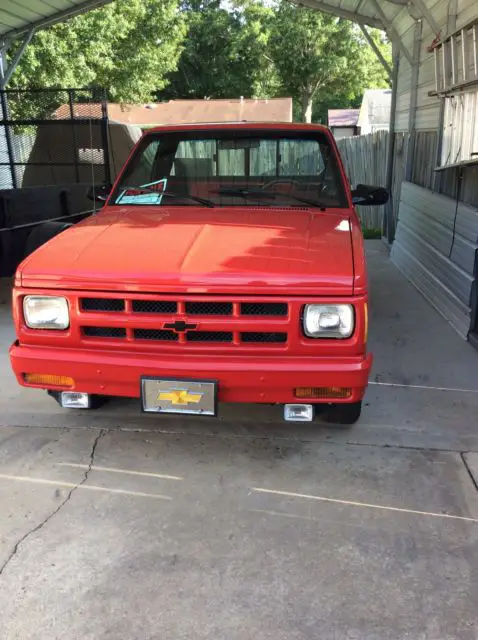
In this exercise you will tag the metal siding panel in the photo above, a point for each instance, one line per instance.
(452, 276)
(424, 100)
(444, 301)
(422, 247)
(442, 209)
(9, 20)
(403, 101)
(467, 11)
(427, 119)
(427, 71)
(20, 10)
(401, 121)
(403, 21)
(440, 236)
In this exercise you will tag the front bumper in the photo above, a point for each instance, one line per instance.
(248, 379)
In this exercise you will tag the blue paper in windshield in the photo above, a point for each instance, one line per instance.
(151, 193)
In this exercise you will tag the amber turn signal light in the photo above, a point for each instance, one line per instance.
(48, 379)
(323, 393)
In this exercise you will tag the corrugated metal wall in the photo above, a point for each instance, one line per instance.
(428, 107)
(436, 243)
(436, 247)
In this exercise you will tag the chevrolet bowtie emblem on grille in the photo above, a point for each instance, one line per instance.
(179, 326)
(180, 397)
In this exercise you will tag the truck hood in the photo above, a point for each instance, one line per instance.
(199, 250)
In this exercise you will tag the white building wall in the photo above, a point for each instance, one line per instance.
(343, 132)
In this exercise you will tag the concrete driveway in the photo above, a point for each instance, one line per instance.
(120, 526)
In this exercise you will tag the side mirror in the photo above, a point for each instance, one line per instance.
(369, 196)
(99, 192)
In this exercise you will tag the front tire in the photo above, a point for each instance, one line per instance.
(344, 413)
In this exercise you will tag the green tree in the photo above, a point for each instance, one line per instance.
(128, 47)
(225, 53)
(321, 58)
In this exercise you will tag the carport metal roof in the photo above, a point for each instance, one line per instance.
(18, 17)
(377, 13)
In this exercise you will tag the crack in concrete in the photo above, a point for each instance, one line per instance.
(39, 526)
(467, 467)
(328, 440)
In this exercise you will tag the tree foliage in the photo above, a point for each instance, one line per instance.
(140, 50)
(225, 51)
(129, 47)
(321, 57)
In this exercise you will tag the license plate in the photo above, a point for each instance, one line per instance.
(192, 397)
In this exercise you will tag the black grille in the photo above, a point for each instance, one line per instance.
(101, 304)
(209, 308)
(154, 306)
(155, 334)
(256, 336)
(209, 336)
(104, 332)
(263, 309)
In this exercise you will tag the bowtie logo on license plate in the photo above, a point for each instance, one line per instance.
(181, 397)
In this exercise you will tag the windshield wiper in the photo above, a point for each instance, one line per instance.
(312, 203)
(187, 196)
(267, 195)
(169, 194)
(245, 193)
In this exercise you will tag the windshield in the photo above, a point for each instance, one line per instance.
(224, 168)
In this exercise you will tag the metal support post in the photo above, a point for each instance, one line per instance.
(10, 68)
(389, 217)
(4, 115)
(412, 113)
(376, 50)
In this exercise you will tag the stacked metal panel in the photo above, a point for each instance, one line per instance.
(436, 247)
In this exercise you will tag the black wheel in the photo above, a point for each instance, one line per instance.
(42, 234)
(343, 413)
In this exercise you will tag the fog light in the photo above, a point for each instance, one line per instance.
(75, 400)
(47, 379)
(298, 412)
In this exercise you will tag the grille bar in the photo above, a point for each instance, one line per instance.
(263, 309)
(209, 308)
(196, 307)
(262, 336)
(185, 321)
(154, 306)
(102, 304)
(104, 332)
(155, 334)
(209, 336)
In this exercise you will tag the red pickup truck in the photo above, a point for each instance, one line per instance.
(225, 265)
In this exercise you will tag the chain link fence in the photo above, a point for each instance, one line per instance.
(53, 136)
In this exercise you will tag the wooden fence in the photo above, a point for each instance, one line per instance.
(365, 160)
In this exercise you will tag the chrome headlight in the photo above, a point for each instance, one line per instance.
(329, 320)
(46, 312)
